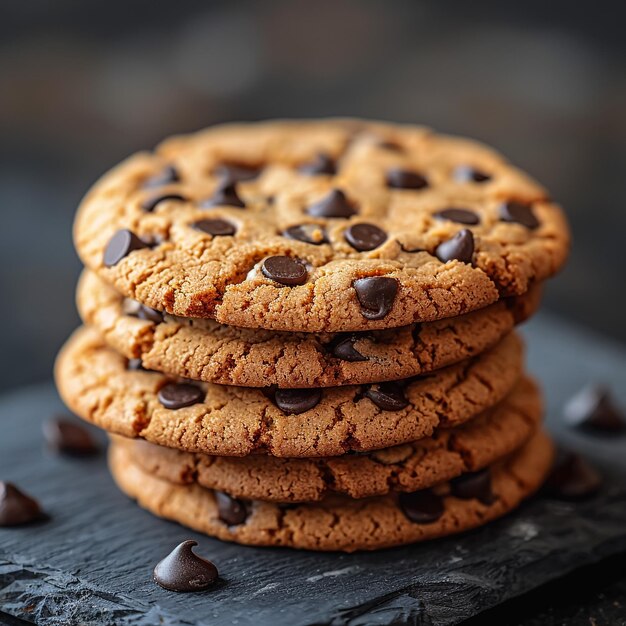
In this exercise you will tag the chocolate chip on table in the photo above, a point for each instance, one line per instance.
(285, 270)
(376, 294)
(335, 204)
(387, 396)
(149, 204)
(230, 173)
(573, 478)
(180, 395)
(462, 216)
(69, 437)
(16, 508)
(518, 213)
(120, 245)
(343, 348)
(225, 195)
(421, 507)
(321, 164)
(183, 570)
(308, 233)
(168, 175)
(594, 409)
(473, 486)
(398, 178)
(230, 510)
(469, 174)
(363, 237)
(460, 248)
(149, 314)
(296, 401)
(216, 227)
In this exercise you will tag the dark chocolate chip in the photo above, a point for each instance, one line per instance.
(469, 174)
(363, 237)
(149, 204)
(135, 365)
(462, 216)
(168, 175)
(421, 507)
(376, 295)
(343, 348)
(69, 437)
(475, 485)
(216, 227)
(459, 247)
(309, 233)
(285, 270)
(296, 401)
(120, 245)
(16, 507)
(387, 396)
(224, 195)
(594, 409)
(321, 164)
(230, 510)
(335, 204)
(183, 570)
(518, 213)
(230, 173)
(573, 478)
(179, 395)
(398, 178)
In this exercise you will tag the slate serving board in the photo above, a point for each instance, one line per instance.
(91, 563)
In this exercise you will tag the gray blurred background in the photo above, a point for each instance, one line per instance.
(84, 83)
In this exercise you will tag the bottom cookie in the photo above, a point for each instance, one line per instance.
(340, 522)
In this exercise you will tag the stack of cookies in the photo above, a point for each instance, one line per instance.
(302, 333)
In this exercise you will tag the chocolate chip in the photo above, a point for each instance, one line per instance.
(376, 295)
(518, 213)
(69, 437)
(231, 173)
(321, 164)
(335, 204)
(135, 365)
(364, 237)
(149, 204)
(573, 478)
(183, 570)
(230, 510)
(459, 247)
(594, 409)
(309, 233)
(144, 312)
(387, 396)
(421, 507)
(462, 216)
(343, 348)
(285, 270)
(474, 485)
(168, 175)
(224, 195)
(215, 227)
(179, 395)
(16, 507)
(398, 178)
(296, 401)
(120, 245)
(468, 174)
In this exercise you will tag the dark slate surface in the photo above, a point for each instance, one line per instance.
(91, 563)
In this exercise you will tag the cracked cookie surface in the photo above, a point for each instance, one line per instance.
(326, 226)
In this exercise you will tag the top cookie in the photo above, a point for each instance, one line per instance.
(324, 226)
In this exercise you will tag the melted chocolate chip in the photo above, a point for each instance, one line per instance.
(421, 507)
(296, 401)
(285, 270)
(230, 510)
(144, 312)
(398, 178)
(343, 348)
(321, 164)
(183, 570)
(518, 213)
(168, 175)
(376, 295)
(594, 409)
(16, 507)
(462, 216)
(180, 395)
(224, 195)
(309, 233)
(231, 173)
(573, 478)
(363, 237)
(69, 437)
(387, 396)
(475, 485)
(468, 174)
(459, 247)
(120, 245)
(149, 204)
(335, 204)
(216, 227)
